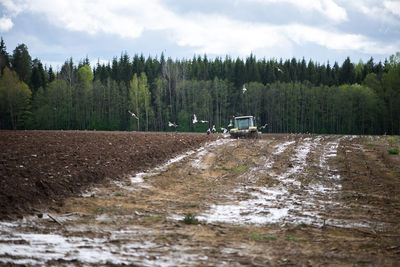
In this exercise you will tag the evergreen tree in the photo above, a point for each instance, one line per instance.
(4, 57)
(347, 73)
(22, 63)
(51, 74)
(38, 76)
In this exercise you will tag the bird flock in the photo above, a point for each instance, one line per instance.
(195, 120)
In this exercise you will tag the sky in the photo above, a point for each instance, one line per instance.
(320, 30)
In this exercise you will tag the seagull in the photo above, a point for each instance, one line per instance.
(172, 124)
(133, 114)
(263, 127)
(203, 121)
(244, 89)
(194, 119)
(279, 69)
(230, 124)
(224, 130)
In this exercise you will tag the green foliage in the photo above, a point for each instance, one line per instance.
(22, 63)
(290, 95)
(260, 237)
(118, 194)
(14, 101)
(184, 121)
(100, 210)
(190, 219)
(153, 218)
(393, 151)
(240, 169)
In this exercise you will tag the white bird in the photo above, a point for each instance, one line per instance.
(133, 114)
(279, 69)
(263, 127)
(203, 121)
(244, 89)
(194, 119)
(224, 130)
(172, 124)
(230, 124)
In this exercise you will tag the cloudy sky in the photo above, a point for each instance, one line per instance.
(321, 30)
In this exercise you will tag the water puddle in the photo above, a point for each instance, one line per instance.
(296, 198)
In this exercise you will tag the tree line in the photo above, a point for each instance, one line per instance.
(145, 94)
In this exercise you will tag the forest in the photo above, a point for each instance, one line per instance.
(290, 96)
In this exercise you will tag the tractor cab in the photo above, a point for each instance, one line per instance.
(244, 127)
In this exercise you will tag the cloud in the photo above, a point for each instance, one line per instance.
(5, 24)
(13, 7)
(393, 7)
(219, 35)
(383, 12)
(336, 40)
(328, 8)
(205, 33)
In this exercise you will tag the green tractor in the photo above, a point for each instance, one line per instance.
(244, 127)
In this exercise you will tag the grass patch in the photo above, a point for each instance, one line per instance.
(345, 197)
(154, 218)
(305, 181)
(393, 151)
(368, 245)
(237, 169)
(100, 210)
(190, 219)
(301, 225)
(240, 169)
(188, 204)
(296, 239)
(363, 263)
(260, 237)
(118, 194)
(370, 144)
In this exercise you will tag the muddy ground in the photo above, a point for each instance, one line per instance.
(38, 168)
(282, 200)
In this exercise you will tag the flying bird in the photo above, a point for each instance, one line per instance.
(194, 119)
(224, 130)
(203, 121)
(263, 127)
(133, 114)
(279, 69)
(230, 124)
(172, 124)
(244, 89)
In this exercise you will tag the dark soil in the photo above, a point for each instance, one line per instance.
(341, 195)
(42, 168)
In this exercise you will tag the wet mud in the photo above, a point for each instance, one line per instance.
(282, 200)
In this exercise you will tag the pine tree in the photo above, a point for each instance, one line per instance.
(22, 63)
(51, 74)
(38, 76)
(4, 57)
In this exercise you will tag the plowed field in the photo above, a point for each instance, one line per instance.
(282, 200)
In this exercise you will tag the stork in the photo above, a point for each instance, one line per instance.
(133, 114)
(172, 124)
